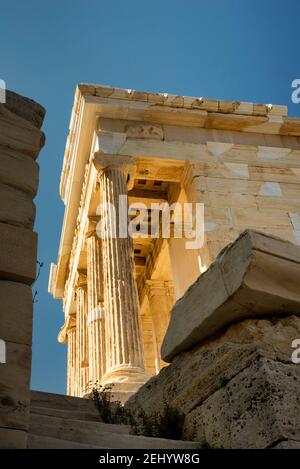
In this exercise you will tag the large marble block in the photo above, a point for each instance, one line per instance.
(255, 276)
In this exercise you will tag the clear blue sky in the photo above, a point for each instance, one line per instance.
(229, 49)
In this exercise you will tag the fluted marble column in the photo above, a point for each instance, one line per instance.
(161, 299)
(95, 300)
(71, 364)
(82, 377)
(124, 345)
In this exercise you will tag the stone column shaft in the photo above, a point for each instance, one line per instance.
(161, 299)
(95, 321)
(81, 337)
(71, 379)
(124, 346)
(196, 192)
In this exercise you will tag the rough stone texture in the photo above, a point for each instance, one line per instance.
(14, 387)
(25, 108)
(29, 139)
(13, 439)
(288, 444)
(237, 389)
(258, 407)
(16, 309)
(17, 207)
(18, 170)
(20, 143)
(18, 254)
(257, 275)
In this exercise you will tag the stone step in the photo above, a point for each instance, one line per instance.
(48, 442)
(46, 425)
(62, 402)
(96, 434)
(92, 416)
(122, 391)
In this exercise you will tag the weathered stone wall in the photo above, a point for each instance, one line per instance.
(230, 346)
(20, 142)
(247, 186)
(237, 390)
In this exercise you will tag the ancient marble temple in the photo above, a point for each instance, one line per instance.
(241, 160)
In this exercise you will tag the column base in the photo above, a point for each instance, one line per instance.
(125, 374)
(124, 381)
(121, 383)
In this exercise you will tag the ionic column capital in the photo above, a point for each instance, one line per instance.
(91, 228)
(70, 324)
(81, 279)
(104, 162)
